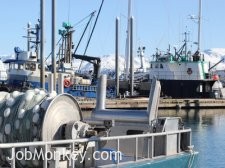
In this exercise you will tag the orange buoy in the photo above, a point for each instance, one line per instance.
(67, 83)
(215, 77)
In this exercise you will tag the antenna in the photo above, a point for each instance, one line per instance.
(186, 39)
(199, 24)
(198, 20)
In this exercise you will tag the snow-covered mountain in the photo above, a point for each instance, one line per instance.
(108, 64)
(214, 55)
(108, 61)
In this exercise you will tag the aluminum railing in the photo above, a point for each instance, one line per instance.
(85, 88)
(97, 140)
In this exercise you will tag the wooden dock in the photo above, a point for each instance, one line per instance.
(142, 103)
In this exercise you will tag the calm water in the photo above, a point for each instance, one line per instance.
(208, 133)
(208, 127)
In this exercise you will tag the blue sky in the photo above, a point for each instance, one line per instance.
(157, 23)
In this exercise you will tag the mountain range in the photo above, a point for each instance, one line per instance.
(213, 56)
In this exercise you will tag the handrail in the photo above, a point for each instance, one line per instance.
(150, 154)
(82, 140)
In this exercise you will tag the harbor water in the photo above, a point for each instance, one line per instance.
(208, 134)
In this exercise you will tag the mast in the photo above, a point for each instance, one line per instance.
(117, 57)
(199, 24)
(127, 51)
(53, 43)
(42, 46)
(185, 42)
(28, 36)
(131, 58)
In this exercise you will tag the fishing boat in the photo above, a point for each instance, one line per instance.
(182, 75)
(109, 138)
(24, 70)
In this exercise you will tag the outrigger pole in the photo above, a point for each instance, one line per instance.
(42, 47)
(199, 24)
(53, 44)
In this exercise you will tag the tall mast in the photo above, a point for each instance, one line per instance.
(53, 43)
(199, 24)
(127, 52)
(28, 36)
(185, 41)
(42, 45)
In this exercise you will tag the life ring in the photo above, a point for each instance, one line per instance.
(67, 83)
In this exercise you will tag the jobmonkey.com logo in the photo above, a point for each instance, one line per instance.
(63, 155)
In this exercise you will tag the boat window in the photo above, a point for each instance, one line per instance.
(27, 66)
(10, 66)
(31, 66)
(20, 66)
(134, 132)
(156, 65)
(161, 66)
(207, 88)
(199, 88)
(15, 66)
(151, 66)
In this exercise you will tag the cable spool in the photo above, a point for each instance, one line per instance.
(33, 116)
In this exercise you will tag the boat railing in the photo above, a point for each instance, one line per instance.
(155, 145)
(177, 76)
(88, 88)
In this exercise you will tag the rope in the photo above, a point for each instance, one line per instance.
(18, 125)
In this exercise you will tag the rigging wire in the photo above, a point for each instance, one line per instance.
(86, 17)
(89, 21)
(51, 52)
(90, 15)
(99, 11)
(93, 27)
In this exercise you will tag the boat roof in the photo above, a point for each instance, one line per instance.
(18, 61)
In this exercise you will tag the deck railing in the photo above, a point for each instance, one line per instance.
(85, 88)
(151, 145)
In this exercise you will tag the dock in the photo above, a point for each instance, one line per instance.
(142, 103)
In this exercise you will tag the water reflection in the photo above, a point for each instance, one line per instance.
(208, 126)
(208, 133)
(203, 116)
